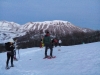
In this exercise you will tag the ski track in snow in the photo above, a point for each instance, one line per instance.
(70, 60)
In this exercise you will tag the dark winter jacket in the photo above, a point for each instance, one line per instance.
(9, 48)
(47, 39)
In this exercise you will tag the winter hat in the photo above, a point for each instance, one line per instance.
(11, 40)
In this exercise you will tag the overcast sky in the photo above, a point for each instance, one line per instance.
(82, 13)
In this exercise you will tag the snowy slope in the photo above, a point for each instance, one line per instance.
(71, 60)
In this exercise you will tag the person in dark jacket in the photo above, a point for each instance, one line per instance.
(10, 53)
(48, 44)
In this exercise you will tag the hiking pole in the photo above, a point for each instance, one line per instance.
(18, 53)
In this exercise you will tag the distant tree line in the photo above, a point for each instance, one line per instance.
(81, 38)
(32, 39)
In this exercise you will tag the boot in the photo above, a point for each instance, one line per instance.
(12, 65)
(7, 67)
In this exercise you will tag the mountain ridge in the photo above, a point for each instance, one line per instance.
(54, 27)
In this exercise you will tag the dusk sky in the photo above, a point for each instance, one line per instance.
(82, 13)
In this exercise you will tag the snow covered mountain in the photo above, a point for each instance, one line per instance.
(11, 29)
(56, 26)
(81, 59)
(9, 26)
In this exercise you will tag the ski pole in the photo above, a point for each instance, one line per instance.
(18, 53)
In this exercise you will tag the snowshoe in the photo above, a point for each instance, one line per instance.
(45, 57)
(49, 57)
(53, 57)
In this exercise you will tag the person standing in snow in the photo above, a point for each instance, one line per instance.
(59, 42)
(41, 43)
(10, 52)
(48, 44)
(56, 42)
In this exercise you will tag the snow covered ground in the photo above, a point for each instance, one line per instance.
(71, 60)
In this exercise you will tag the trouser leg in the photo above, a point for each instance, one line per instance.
(46, 51)
(12, 56)
(51, 50)
(60, 44)
(8, 58)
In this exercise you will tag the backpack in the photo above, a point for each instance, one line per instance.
(7, 46)
(55, 40)
(47, 40)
